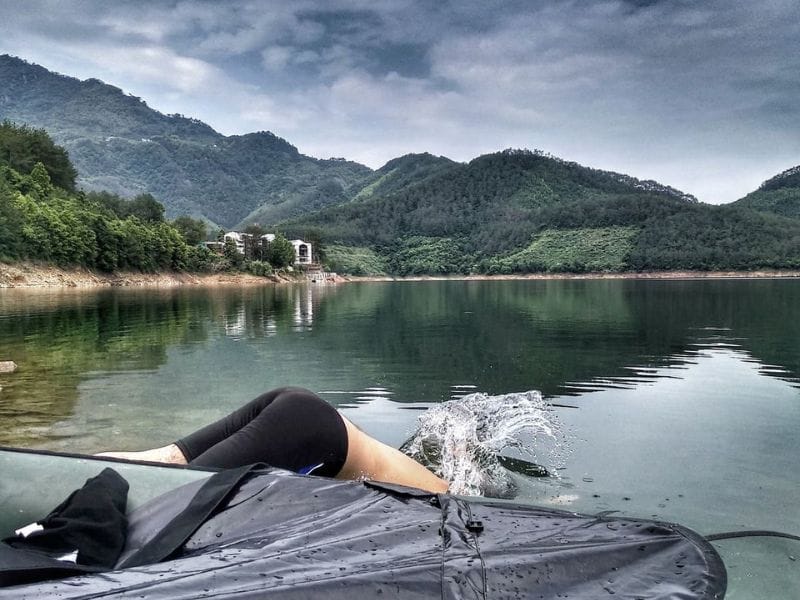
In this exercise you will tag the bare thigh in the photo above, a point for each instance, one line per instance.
(368, 458)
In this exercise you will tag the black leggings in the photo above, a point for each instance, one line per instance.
(289, 428)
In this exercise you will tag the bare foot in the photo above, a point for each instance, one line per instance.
(170, 454)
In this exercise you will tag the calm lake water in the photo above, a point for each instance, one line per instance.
(678, 400)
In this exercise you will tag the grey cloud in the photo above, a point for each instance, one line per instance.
(654, 87)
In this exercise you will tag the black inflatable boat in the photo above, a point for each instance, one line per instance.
(265, 533)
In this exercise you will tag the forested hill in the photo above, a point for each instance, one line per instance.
(779, 195)
(118, 143)
(495, 203)
(522, 211)
(511, 211)
(398, 174)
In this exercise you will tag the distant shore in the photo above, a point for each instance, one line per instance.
(761, 274)
(31, 275)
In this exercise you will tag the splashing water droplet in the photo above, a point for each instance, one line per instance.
(462, 439)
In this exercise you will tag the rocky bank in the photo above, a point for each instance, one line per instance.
(31, 275)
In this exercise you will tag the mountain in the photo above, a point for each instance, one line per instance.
(398, 174)
(494, 203)
(523, 211)
(779, 195)
(510, 211)
(119, 144)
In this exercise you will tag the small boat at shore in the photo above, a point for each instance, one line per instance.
(276, 534)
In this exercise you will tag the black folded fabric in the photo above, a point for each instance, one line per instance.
(90, 521)
(19, 566)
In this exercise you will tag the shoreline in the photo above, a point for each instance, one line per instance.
(27, 275)
(667, 275)
(31, 276)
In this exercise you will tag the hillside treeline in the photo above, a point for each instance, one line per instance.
(119, 144)
(43, 218)
(509, 212)
(521, 211)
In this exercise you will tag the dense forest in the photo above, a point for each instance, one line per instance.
(779, 195)
(121, 145)
(509, 212)
(43, 217)
(521, 211)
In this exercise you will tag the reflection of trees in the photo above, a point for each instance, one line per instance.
(57, 339)
(761, 316)
(518, 335)
(416, 338)
(266, 311)
(501, 336)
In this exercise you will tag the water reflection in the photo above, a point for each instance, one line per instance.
(59, 339)
(559, 337)
(408, 342)
(303, 308)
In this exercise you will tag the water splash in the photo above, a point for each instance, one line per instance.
(462, 440)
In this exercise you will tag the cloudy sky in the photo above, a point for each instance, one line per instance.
(702, 95)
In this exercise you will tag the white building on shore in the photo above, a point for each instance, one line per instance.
(303, 254)
(303, 251)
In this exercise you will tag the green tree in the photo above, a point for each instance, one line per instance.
(55, 231)
(280, 252)
(146, 208)
(107, 202)
(260, 268)
(41, 180)
(193, 230)
(255, 230)
(108, 235)
(21, 147)
(135, 246)
(11, 221)
(232, 254)
(200, 258)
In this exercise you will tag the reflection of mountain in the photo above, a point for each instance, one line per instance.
(759, 317)
(411, 342)
(551, 335)
(57, 339)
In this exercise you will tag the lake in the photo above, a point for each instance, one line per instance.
(675, 400)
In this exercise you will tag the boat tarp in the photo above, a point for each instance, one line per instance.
(281, 536)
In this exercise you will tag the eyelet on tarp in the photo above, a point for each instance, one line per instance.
(474, 525)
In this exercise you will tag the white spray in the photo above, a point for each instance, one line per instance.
(462, 439)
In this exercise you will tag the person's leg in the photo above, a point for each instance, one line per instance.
(367, 458)
(170, 454)
(294, 429)
(289, 428)
(195, 444)
(283, 427)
